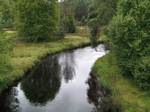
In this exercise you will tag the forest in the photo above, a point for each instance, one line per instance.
(33, 29)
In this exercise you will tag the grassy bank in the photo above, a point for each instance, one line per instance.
(26, 55)
(123, 90)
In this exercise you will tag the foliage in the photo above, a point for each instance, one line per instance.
(37, 20)
(130, 36)
(73, 12)
(6, 15)
(142, 72)
(81, 10)
(67, 16)
(100, 13)
(70, 24)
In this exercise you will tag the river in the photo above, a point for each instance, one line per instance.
(59, 83)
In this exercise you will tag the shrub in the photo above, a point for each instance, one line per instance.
(121, 31)
(130, 36)
(37, 20)
(142, 73)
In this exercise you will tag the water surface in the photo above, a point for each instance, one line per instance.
(60, 83)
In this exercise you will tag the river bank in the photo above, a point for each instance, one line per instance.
(60, 83)
(26, 55)
(124, 92)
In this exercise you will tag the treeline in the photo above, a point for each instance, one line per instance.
(43, 20)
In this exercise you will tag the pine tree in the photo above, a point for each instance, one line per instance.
(37, 20)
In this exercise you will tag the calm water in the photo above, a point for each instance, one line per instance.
(60, 83)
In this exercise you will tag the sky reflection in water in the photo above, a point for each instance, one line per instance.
(60, 83)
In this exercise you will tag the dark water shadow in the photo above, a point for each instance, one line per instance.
(100, 96)
(40, 86)
(43, 83)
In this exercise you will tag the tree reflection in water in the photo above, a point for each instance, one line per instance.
(40, 91)
(6, 100)
(67, 63)
(99, 96)
(43, 83)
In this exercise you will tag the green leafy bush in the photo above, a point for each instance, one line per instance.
(37, 20)
(6, 16)
(130, 35)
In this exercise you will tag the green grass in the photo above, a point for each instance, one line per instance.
(25, 55)
(123, 90)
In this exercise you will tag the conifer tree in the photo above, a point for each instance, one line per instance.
(37, 20)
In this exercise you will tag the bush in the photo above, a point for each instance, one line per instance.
(142, 73)
(130, 37)
(121, 31)
(37, 20)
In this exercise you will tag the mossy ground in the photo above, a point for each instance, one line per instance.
(124, 92)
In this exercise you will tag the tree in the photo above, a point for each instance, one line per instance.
(68, 16)
(100, 13)
(81, 10)
(129, 32)
(37, 20)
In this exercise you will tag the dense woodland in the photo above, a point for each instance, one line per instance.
(125, 23)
